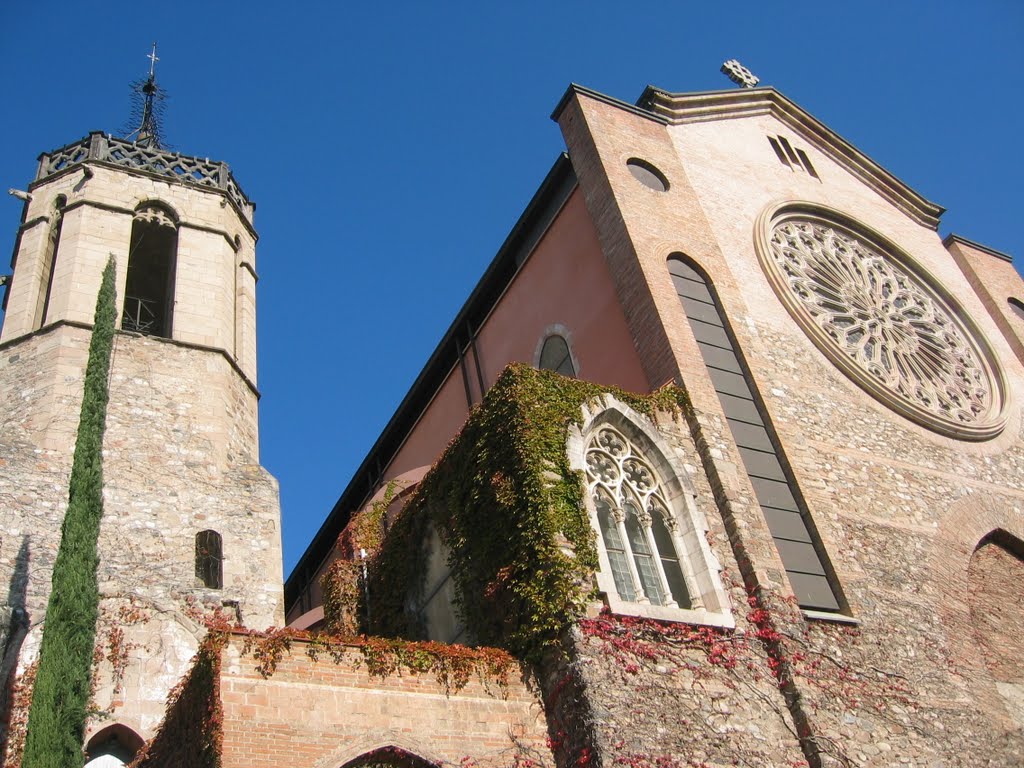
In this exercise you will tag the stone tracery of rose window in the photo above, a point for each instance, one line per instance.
(636, 526)
(879, 318)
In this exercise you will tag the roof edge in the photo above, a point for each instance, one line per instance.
(575, 89)
(954, 238)
(556, 187)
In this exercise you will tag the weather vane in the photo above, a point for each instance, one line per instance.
(147, 108)
(739, 74)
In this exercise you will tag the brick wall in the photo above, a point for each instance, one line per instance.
(323, 713)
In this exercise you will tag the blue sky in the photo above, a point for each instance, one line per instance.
(391, 147)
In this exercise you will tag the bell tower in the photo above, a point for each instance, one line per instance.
(191, 520)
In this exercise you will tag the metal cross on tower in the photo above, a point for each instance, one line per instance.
(147, 108)
(153, 59)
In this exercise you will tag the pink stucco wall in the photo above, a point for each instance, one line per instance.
(564, 282)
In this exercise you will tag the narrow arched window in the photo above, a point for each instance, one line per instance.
(209, 559)
(795, 535)
(555, 356)
(149, 290)
(638, 530)
(50, 261)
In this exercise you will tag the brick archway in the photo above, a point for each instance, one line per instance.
(389, 757)
(376, 748)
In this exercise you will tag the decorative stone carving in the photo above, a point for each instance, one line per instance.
(882, 320)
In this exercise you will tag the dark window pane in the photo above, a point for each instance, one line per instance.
(740, 409)
(750, 436)
(691, 289)
(643, 558)
(813, 592)
(209, 559)
(772, 493)
(615, 549)
(762, 464)
(669, 561)
(728, 383)
(799, 556)
(711, 334)
(785, 524)
(554, 356)
(715, 357)
(699, 310)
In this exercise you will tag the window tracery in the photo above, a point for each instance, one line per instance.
(881, 320)
(637, 529)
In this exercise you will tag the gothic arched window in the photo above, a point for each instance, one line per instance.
(209, 559)
(654, 558)
(637, 528)
(149, 290)
(555, 356)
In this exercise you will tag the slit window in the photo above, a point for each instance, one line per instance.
(50, 261)
(209, 560)
(149, 290)
(792, 157)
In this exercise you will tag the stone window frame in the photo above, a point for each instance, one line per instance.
(710, 604)
(561, 330)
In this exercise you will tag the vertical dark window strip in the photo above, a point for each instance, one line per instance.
(807, 164)
(778, 151)
(50, 265)
(777, 493)
(209, 559)
(789, 150)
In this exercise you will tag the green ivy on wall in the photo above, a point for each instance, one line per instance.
(506, 504)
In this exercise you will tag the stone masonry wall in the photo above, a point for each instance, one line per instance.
(899, 508)
(179, 457)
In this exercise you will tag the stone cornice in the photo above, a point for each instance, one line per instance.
(682, 108)
(129, 212)
(176, 342)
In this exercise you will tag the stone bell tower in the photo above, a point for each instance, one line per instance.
(191, 520)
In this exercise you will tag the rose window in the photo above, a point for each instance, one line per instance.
(878, 319)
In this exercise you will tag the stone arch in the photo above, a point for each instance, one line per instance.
(389, 757)
(114, 745)
(709, 601)
(382, 742)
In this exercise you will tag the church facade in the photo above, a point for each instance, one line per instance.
(751, 491)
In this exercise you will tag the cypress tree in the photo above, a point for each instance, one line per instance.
(56, 723)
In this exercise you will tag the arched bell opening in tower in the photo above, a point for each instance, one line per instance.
(149, 290)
